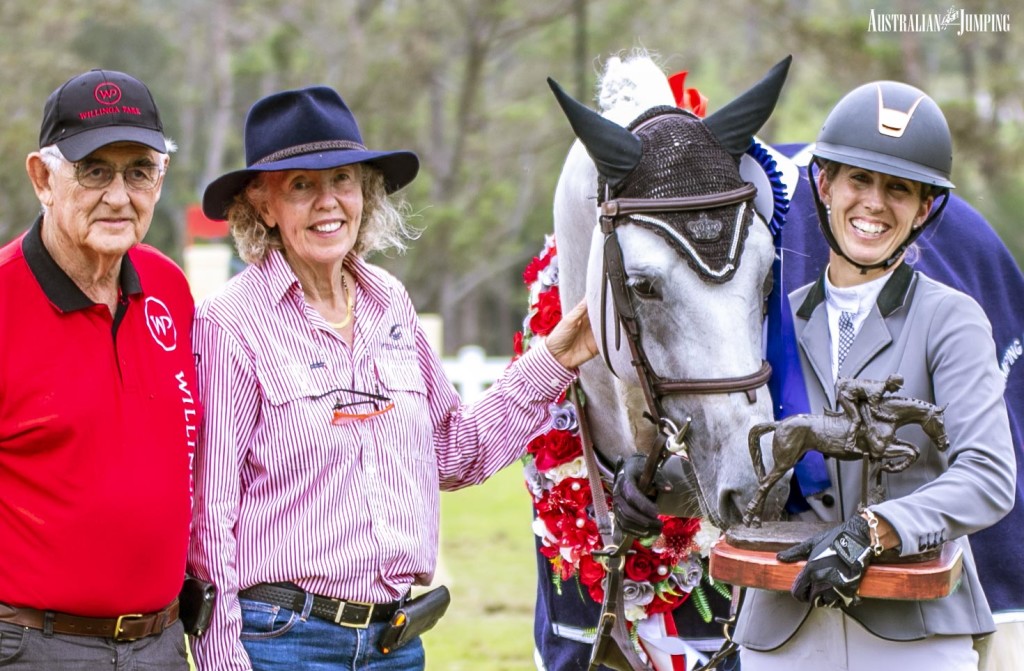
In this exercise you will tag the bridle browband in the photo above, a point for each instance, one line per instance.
(623, 206)
(654, 385)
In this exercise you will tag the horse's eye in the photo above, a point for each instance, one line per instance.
(644, 288)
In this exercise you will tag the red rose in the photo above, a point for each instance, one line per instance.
(554, 448)
(555, 518)
(680, 526)
(533, 268)
(591, 572)
(572, 493)
(641, 567)
(580, 536)
(548, 312)
(517, 344)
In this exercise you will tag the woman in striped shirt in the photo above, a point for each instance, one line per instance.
(330, 427)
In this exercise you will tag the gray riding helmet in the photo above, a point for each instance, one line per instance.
(892, 128)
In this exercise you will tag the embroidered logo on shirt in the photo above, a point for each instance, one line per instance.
(398, 341)
(161, 324)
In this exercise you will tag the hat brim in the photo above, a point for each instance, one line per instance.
(399, 168)
(80, 145)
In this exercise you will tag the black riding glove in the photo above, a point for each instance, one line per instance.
(635, 512)
(836, 561)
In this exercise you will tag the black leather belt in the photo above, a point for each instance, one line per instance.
(345, 613)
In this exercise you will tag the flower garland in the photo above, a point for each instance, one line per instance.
(661, 573)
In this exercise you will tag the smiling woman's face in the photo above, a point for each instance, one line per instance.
(318, 212)
(871, 215)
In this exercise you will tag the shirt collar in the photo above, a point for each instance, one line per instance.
(59, 288)
(892, 296)
(858, 298)
(281, 278)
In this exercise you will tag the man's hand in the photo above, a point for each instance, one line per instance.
(635, 511)
(836, 561)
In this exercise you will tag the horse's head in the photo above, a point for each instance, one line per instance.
(678, 273)
(934, 426)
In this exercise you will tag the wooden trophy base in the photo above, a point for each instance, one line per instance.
(746, 558)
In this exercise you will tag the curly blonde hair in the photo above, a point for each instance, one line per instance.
(384, 226)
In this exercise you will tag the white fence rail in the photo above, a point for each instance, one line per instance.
(472, 371)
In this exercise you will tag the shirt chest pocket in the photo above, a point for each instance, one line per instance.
(287, 384)
(296, 417)
(401, 380)
(400, 374)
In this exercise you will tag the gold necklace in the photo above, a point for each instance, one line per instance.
(350, 299)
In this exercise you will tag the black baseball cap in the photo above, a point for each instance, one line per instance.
(98, 108)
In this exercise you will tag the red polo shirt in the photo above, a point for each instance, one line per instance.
(98, 419)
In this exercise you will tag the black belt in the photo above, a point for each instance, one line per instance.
(345, 613)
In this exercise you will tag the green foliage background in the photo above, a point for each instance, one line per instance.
(462, 83)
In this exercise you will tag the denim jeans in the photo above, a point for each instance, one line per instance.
(277, 639)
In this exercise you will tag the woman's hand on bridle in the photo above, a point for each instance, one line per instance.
(572, 340)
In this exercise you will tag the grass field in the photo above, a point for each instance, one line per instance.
(487, 561)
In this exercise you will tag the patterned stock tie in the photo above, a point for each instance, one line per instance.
(845, 336)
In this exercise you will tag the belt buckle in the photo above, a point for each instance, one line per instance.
(341, 608)
(117, 626)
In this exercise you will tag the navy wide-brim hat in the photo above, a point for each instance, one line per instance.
(306, 129)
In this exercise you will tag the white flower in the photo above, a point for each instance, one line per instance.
(634, 613)
(535, 291)
(706, 537)
(576, 468)
(549, 242)
(541, 529)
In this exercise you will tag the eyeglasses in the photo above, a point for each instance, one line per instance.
(341, 414)
(99, 175)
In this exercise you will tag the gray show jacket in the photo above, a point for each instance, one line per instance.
(941, 342)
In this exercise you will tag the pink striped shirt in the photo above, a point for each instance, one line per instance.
(347, 511)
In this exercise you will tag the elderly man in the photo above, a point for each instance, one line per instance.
(98, 412)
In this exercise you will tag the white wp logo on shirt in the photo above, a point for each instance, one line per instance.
(161, 324)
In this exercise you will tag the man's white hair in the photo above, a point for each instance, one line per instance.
(53, 157)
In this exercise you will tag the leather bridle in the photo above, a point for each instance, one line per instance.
(615, 212)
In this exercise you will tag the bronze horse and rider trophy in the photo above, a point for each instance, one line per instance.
(863, 429)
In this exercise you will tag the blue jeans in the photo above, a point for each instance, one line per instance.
(277, 639)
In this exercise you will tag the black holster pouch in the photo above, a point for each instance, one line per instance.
(415, 617)
(195, 604)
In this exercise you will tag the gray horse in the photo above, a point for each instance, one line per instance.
(696, 259)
